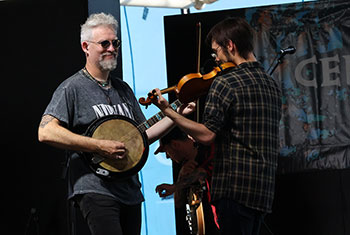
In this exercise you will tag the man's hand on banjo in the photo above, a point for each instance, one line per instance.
(111, 149)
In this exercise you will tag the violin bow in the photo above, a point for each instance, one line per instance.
(199, 40)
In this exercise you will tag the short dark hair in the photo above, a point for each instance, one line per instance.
(235, 29)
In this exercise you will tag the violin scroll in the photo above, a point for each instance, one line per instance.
(152, 95)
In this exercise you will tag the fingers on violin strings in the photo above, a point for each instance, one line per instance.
(152, 94)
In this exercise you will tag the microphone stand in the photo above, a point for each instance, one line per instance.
(279, 58)
(33, 216)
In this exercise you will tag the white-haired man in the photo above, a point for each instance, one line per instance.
(108, 206)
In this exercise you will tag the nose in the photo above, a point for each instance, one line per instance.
(111, 48)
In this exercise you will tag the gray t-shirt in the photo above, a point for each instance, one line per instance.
(77, 102)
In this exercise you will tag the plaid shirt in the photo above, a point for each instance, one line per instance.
(243, 108)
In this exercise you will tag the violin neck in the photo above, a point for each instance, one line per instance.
(167, 90)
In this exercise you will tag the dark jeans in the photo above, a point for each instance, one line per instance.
(106, 216)
(234, 218)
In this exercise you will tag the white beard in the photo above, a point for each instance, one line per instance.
(108, 65)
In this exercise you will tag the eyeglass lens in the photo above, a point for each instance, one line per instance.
(106, 43)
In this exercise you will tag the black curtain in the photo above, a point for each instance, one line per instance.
(39, 47)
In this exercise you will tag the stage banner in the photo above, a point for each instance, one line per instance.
(315, 80)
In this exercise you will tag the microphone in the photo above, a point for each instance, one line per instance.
(288, 50)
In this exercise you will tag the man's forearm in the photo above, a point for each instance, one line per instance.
(187, 180)
(197, 130)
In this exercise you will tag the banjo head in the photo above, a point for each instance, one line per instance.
(123, 129)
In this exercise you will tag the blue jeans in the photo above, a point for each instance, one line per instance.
(104, 215)
(236, 219)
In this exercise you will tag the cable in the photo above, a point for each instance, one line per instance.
(144, 204)
(131, 54)
(134, 89)
(267, 227)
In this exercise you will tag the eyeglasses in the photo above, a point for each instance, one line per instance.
(106, 43)
(215, 51)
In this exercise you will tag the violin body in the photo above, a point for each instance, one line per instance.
(192, 86)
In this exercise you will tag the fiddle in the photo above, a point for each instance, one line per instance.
(191, 86)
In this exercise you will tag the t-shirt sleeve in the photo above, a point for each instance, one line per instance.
(60, 106)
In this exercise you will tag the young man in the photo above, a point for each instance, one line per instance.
(241, 116)
(195, 173)
(109, 207)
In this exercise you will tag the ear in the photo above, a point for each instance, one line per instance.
(231, 46)
(84, 46)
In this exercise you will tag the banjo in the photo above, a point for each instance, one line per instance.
(126, 130)
(194, 210)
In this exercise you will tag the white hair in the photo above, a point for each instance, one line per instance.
(96, 20)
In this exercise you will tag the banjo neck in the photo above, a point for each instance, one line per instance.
(157, 117)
